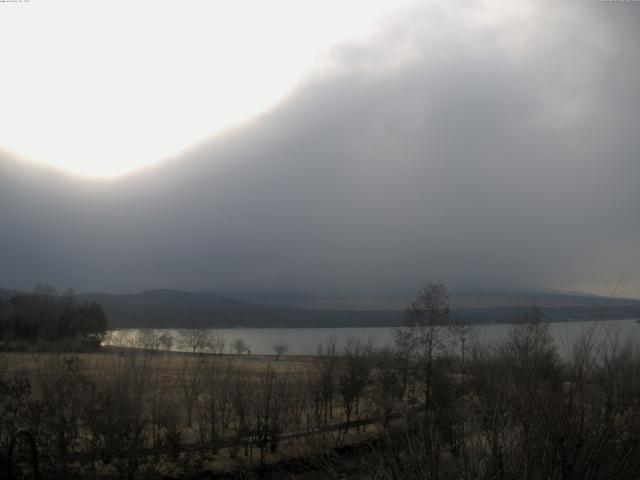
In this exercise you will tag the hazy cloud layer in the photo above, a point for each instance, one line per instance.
(478, 150)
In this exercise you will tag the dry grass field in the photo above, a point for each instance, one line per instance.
(112, 359)
(128, 410)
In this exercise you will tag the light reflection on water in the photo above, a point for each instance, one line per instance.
(305, 341)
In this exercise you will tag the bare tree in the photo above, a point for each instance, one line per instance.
(122, 339)
(354, 377)
(279, 349)
(240, 346)
(216, 406)
(218, 343)
(387, 386)
(240, 421)
(328, 364)
(190, 381)
(148, 339)
(428, 332)
(166, 341)
(196, 339)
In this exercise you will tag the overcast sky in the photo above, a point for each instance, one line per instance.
(481, 144)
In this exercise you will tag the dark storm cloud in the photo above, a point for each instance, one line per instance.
(449, 147)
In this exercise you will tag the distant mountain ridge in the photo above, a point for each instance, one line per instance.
(166, 308)
(459, 300)
(169, 297)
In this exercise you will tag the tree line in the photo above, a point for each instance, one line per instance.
(44, 317)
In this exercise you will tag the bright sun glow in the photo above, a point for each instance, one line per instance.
(103, 87)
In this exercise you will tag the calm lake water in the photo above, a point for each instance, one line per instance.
(305, 341)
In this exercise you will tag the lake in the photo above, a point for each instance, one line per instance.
(305, 341)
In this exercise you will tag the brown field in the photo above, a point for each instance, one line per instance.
(30, 364)
(267, 413)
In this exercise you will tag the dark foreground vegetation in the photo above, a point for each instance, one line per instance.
(440, 405)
